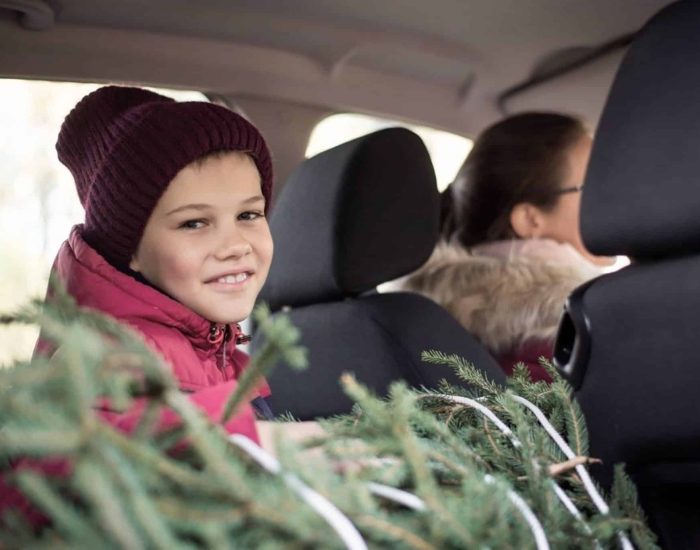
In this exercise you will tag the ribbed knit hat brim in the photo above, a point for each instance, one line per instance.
(125, 145)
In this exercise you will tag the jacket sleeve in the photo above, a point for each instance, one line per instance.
(210, 400)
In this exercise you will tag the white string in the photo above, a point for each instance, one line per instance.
(412, 501)
(585, 477)
(590, 487)
(335, 518)
(525, 510)
(530, 517)
(568, 503)
(571, 507)
(486, 412)
(399, 496)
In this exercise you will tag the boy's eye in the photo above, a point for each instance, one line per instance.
(250, 215)
(192, 224)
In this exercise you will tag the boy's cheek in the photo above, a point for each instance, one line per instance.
(270, 252)
(265, 251)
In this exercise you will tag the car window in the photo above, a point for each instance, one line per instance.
(38, 201)
(447, 150)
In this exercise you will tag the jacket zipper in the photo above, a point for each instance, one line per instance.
(215, 336)
(223, 355)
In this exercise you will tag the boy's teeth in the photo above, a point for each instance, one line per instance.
(230, 279)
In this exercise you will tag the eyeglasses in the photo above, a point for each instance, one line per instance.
(575, 189)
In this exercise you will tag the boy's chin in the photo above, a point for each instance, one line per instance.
(227, 319)
(223, 311)
(223, 316)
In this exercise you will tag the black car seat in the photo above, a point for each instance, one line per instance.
(630, 340)
(357, 215)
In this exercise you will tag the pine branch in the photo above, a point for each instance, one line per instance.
(624, 497)
(464, 369)
(189, 487)
(279, 345)
(576, 432)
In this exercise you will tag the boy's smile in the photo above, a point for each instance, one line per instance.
(207, 243)
(230, 279)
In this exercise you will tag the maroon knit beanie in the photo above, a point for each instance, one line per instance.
(125, 145)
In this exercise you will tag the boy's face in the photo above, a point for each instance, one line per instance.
(207, 242)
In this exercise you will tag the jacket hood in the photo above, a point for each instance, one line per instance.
(507, 294)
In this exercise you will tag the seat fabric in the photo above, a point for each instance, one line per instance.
(377, 338)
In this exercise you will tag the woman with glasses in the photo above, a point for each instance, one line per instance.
(511, 250)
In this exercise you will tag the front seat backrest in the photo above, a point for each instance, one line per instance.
(629, 340)
(348, 219)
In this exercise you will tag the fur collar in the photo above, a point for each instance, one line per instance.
(507, 293)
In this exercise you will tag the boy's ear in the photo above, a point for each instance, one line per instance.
(527, 220)
(134, 264)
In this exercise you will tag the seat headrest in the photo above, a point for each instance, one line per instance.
(642, 189)
(352, 217)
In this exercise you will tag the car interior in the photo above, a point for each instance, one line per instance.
(363, 208)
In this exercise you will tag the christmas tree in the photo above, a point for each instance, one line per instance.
(475, 466)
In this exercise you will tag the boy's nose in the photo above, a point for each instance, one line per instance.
(233, 245)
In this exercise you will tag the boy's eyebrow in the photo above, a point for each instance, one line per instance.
(189, 206)
(202, 206)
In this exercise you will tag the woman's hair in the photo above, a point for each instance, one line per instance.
(522, 158)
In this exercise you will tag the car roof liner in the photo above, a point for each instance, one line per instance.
(559, 63)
